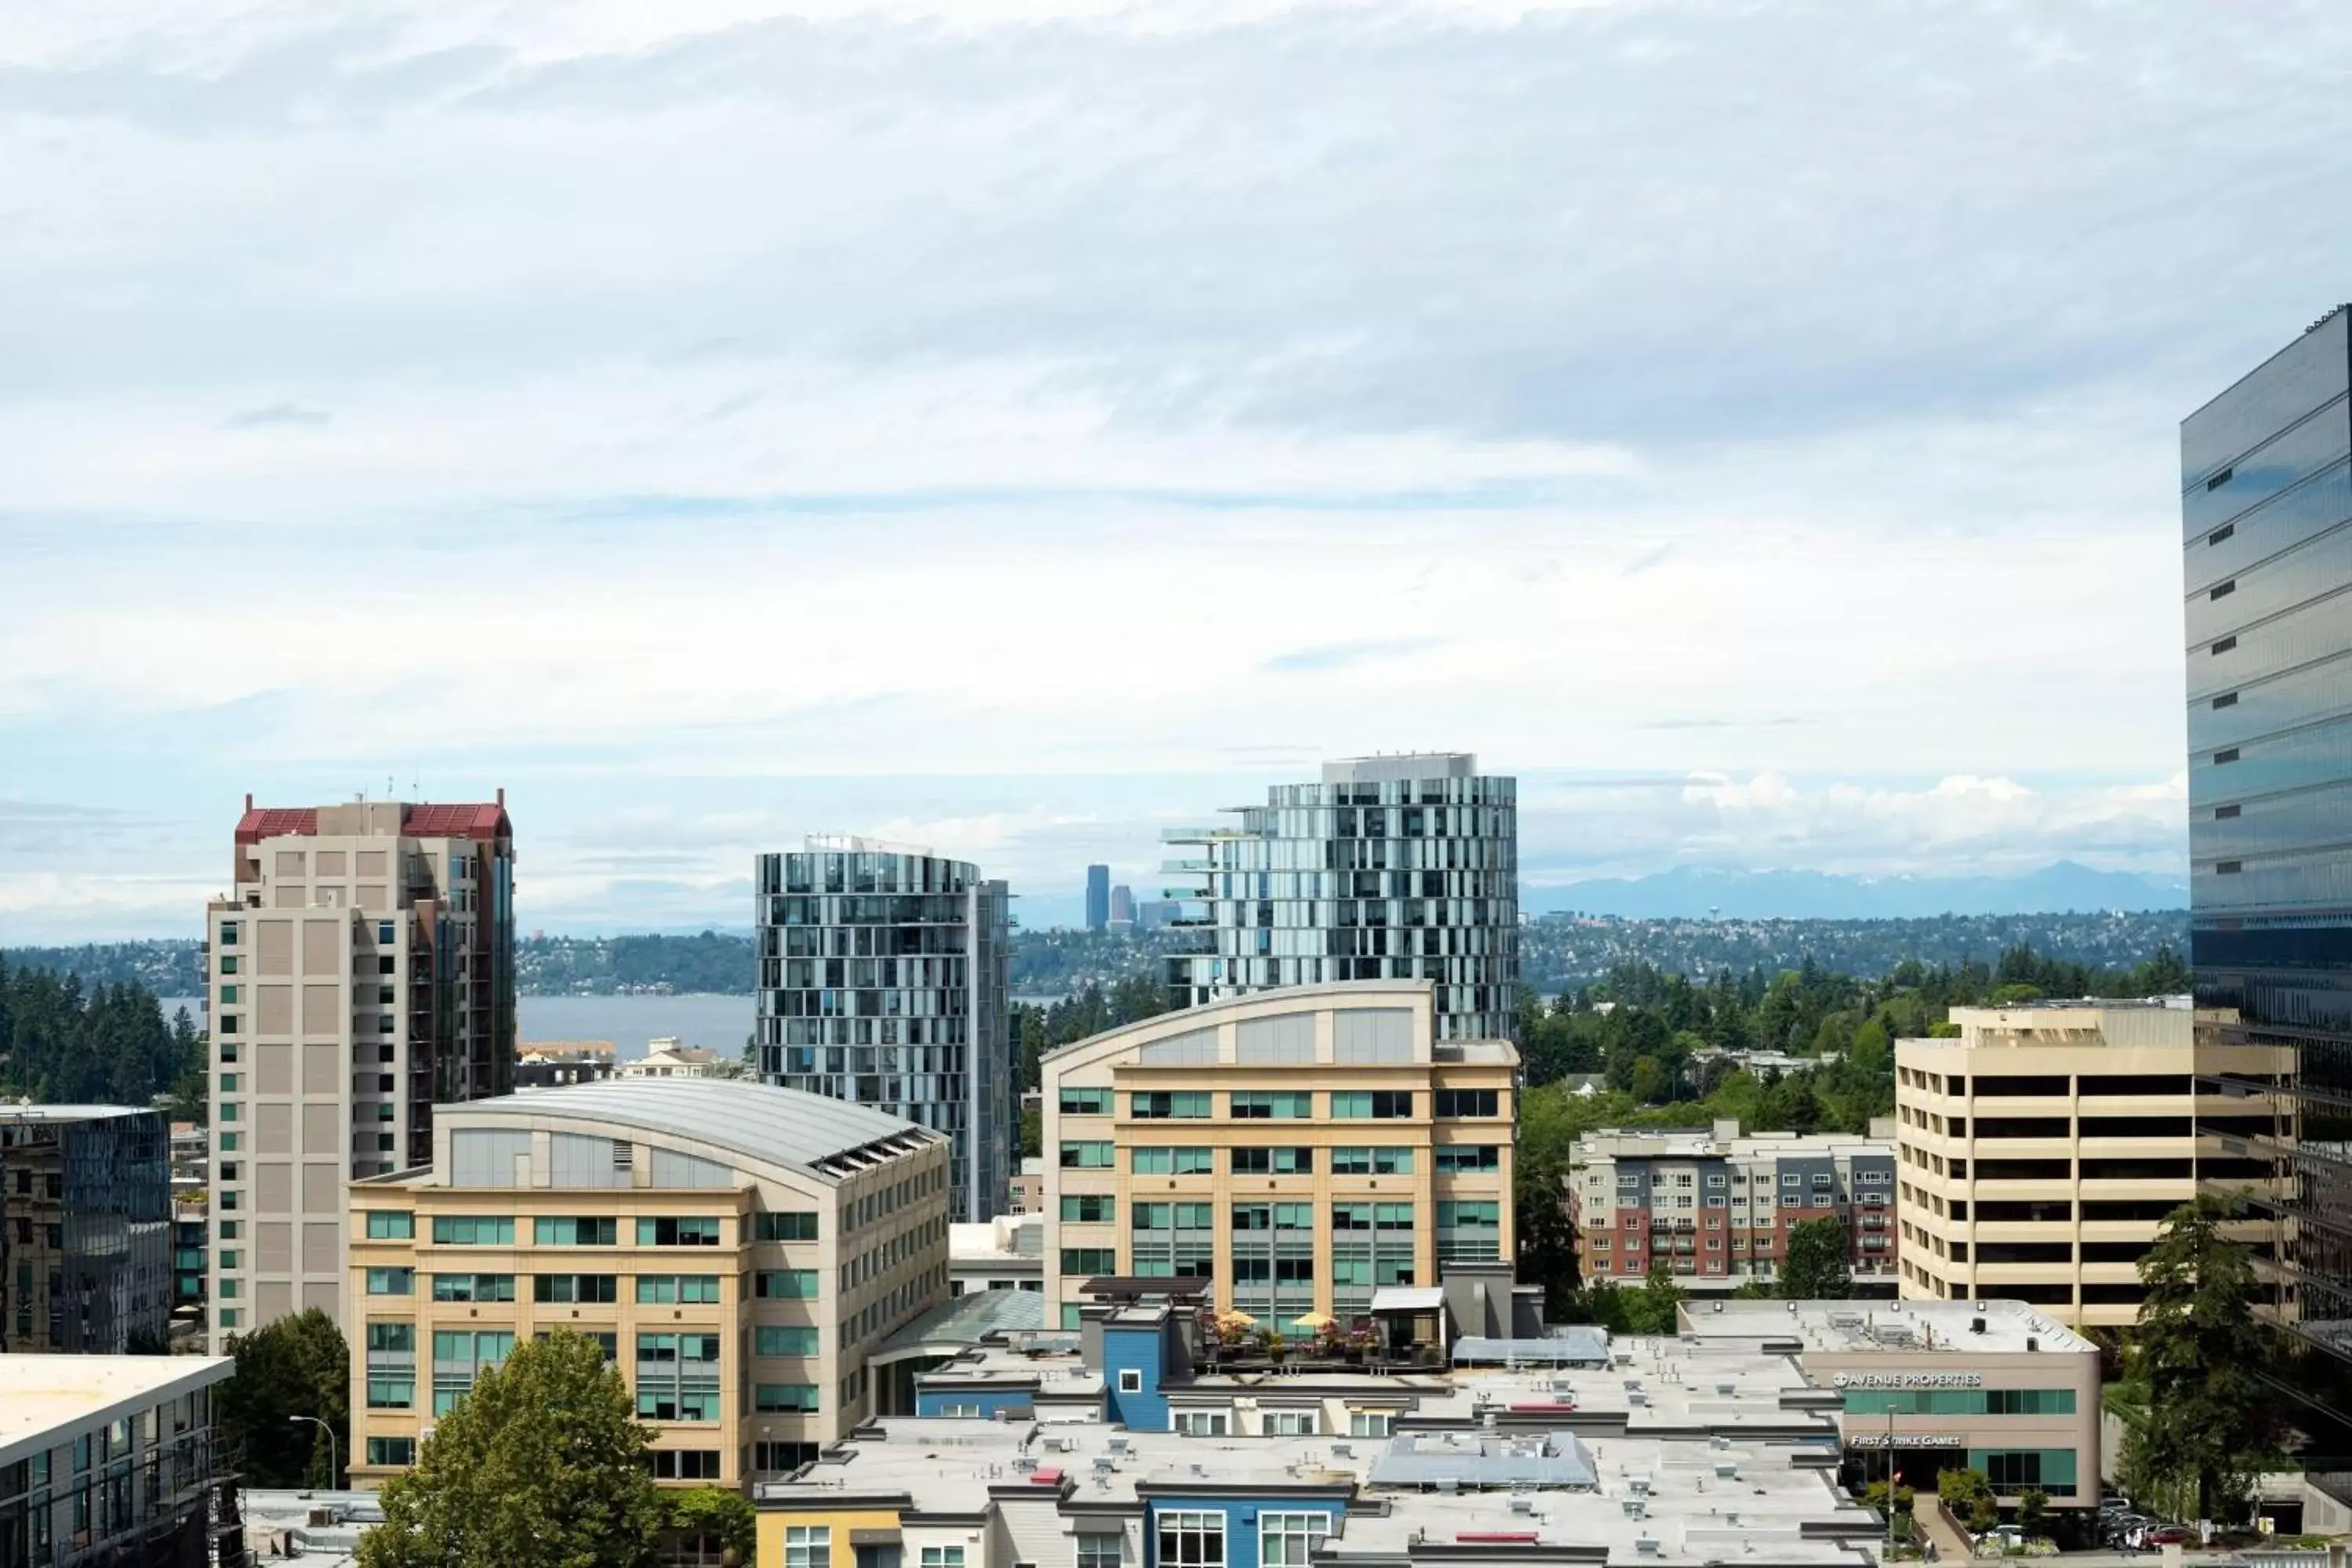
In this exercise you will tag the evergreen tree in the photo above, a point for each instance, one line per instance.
(299, 1365)
(2209, 1425)
(1816, 1269)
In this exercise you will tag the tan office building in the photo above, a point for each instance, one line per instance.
(1302, 1147)
(2041, 1150)
(361, 973)
(739, 1249)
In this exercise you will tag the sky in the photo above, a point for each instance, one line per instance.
(1023, 425)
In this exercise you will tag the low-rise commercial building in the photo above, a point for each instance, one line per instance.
(109, 1460)
(2042, 1148)
(85, 1229)
(1716, 1209)
(1292, 1153)
(1685, 1454)
(739, 1249)
(1995, 1386)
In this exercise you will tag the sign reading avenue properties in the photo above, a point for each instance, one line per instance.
(1909, 1380)
(1906, 1441)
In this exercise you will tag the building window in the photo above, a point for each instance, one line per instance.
(1090, 1208)
(1371, 1424)
(392, 1450)
(1162, 1105)
(1130, 1380)
(787, 1398)
(1201, 1422)
(1101, 1551)
(1459, 1159)
(1093, 1155)
(790, 1226)
(2016, 1470)
(689, 1290)
(1469, 1102)
(1375, 1105)
(573, 1230)
(1187, 1162)
(784, 1341)
(671, 1231)
(942, 1557)
(1469, 1232)
(1192, 1540)
(392, 1281)
(1298, 1162)
(1085, 1101)
(390, 1225)
(473, 1288)
(808, 1546)
(687, 1464)
(1274, 1106)
(458, 1357)
(472, 1230)
(595, 1290)
(785, 1284)
(678, 1377)
(1288, 1539)
(1372, 1162)
(1089, 1260)
(1290, 1423)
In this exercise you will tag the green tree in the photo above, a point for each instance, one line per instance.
(2209, 1426)
(708, 1521)
(2033, 1512)
(1650, 1310)
(296, 1366)
(1547, 1236)
(1816, 1269)
(1033, 1133)
(1970, 1497)
(539, 1467)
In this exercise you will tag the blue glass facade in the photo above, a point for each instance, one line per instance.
(2266, 514)
(882, 977)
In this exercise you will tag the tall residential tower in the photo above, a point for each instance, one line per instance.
(1400, 868)
(882, 976)
(2266, 540)
(361, 973)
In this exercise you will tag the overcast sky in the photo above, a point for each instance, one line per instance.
(1754, 426)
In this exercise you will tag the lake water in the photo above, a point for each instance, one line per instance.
(715, 1023)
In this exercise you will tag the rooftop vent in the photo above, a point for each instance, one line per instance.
(1976, 1325)
(1646, 1545)
(1523, 1505)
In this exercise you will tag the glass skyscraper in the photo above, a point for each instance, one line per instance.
(2266, 516)
(1097, 898)
(882, 976)
(85, 1229)
(1401, 868)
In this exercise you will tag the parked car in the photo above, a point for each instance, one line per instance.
(2169, 1536)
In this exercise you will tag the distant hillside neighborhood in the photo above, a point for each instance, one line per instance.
(1557, 953)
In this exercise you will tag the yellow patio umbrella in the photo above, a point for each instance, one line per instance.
(1314, 1320)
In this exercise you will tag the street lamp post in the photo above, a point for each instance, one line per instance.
(333, 1469)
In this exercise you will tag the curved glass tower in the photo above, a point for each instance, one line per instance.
(882, 975)
(1401, 868)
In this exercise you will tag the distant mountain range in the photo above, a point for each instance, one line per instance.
(1694, 893)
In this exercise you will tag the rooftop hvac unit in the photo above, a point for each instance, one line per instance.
(1646, 1545)
(1726, 1389)
(1636, 1508)
(1523, 1505)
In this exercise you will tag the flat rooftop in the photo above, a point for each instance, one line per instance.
(46, 1400)
(1907, 1328)
(1689, 1497)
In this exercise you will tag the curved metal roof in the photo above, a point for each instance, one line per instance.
(758, 1120)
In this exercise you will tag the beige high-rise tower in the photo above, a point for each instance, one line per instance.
(362, 972)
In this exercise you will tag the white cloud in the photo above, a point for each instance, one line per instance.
(699, 408)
